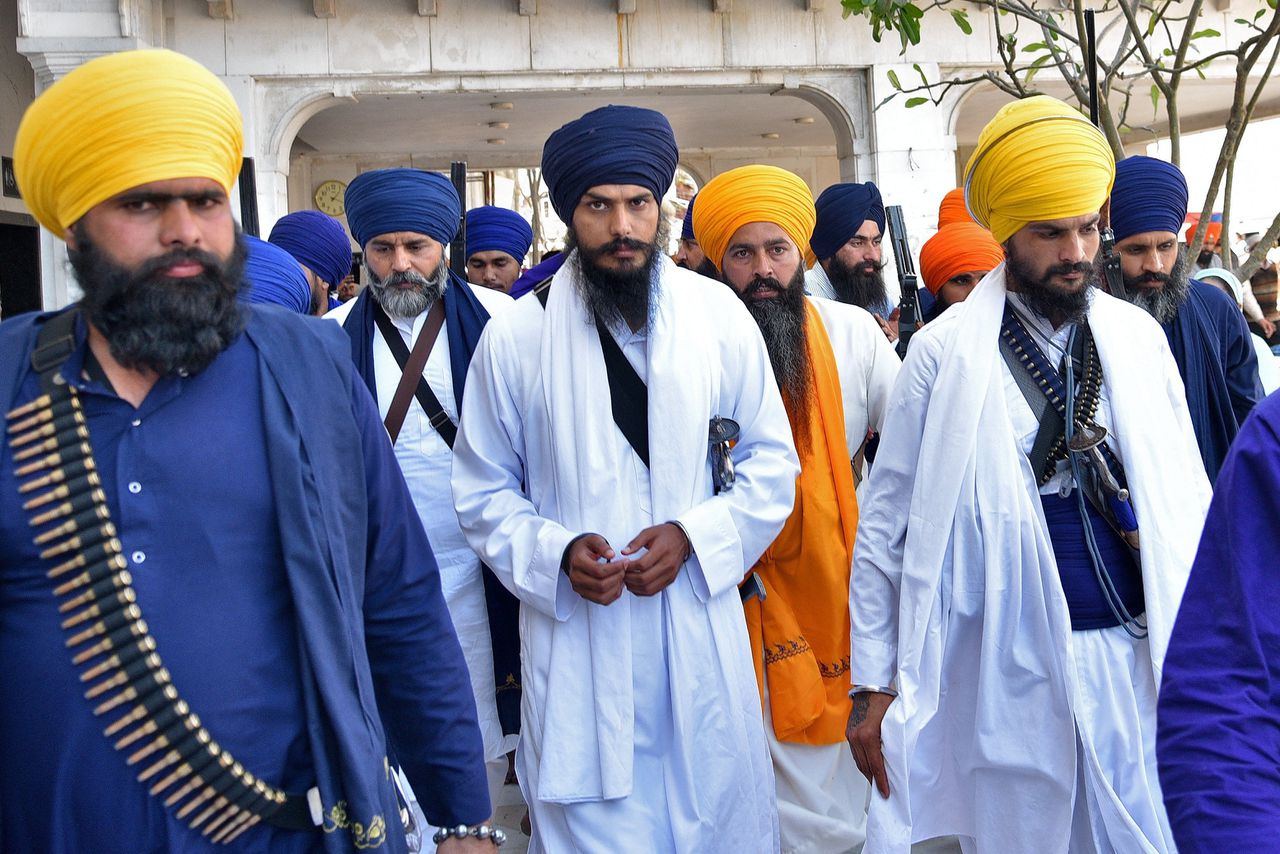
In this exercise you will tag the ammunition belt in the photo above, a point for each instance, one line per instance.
(117, 657)
(1088, 394)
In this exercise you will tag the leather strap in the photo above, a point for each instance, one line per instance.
(412, 383)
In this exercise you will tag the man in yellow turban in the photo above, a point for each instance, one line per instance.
(1008, 619)
(835, 370)
(225, 566)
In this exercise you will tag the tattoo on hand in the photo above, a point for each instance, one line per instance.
(861, 704)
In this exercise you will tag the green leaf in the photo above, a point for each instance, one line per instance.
(1206, 34)
(920, 71)
(1168, 51)
(1241, 21)
(1200, 71)
(1155, 97)
(915, 102)
(1151, 25)
(893, 80)
(1259, 14)
(961, 17)
(1035, 67)
(1035, 46)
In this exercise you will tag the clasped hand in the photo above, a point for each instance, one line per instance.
(597, 577)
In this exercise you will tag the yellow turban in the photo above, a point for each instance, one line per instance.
(1038, 159)
(120, 121)
(752, 194)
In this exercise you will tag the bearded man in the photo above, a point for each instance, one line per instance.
(292, 605)
(999, 577)
(835, 370)
(846, 242)
(690, 254)
(403, 219)
(583, 476)
(1207, 334)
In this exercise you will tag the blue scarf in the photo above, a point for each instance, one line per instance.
(464, 318)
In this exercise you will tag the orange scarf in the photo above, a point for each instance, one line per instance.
(800, 632)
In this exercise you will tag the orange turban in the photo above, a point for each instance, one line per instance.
(961, 247)
(118, 122)
(953, 208)
(1037, 159)
(752, 194)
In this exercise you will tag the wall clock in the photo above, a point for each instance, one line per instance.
(329, 198)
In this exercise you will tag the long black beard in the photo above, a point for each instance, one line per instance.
(157, 322)
(1161, 303)
(856, 285)
(619, 295)
(782, 325)
(408, 302)
(1040, 294)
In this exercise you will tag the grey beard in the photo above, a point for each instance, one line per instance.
(400, 302)
(1161, 303)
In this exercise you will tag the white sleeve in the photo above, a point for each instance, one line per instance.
(495, 514)
(876, 582)
(731, 530)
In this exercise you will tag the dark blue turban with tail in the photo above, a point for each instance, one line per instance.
(317, 240)
(686, 230)
(492, 229)
(274, 276)
(1148, 195)
(842, 209)
(611, 145)
(389, 200)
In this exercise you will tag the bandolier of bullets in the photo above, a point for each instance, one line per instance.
(109, 640)
(1086, 401)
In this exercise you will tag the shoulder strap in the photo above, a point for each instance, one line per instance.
(628, 396)
(411, 380)
(54, 343)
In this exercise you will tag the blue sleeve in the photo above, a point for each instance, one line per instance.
(1239, 359)
(1218, 738)
(419, 675)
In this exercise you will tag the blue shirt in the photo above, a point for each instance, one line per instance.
(186, 479)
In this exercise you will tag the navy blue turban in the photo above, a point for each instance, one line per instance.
(388, 200)
(1148, 195)
(491, 229)
(274, 276)
(318, 241)
(842, 209)
(611, 145)
(686, 230)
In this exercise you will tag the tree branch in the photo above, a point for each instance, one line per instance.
(1258, 255)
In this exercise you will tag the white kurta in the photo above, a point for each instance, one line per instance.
(956, 594)
(641, 719)
(427, 464)
(821, 795)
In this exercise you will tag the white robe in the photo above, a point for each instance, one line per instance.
(956, 591)
(641, 719)
(427, 464)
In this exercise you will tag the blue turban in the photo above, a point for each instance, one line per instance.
(611, 145)
(842, 209)
(686, 230)
(316, 240)
(274, 277)
(388, 200)
(491, 229)
(1148, 195)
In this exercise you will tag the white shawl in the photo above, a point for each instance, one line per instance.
(981, 741)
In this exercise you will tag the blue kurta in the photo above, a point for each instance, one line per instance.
(1210, 342)
(189, 479)
(1219, 716)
